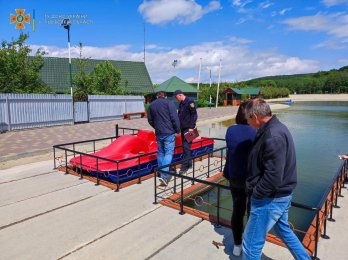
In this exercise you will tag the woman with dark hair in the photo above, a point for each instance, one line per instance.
(239, 139)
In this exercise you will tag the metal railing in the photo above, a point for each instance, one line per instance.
(183, 188)
(70, 150)
(62, 153)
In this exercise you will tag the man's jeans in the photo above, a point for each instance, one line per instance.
(265, 214)
(166, 145)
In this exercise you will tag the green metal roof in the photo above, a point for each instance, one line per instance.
(175, 83)
(248, 91)
(55, 73)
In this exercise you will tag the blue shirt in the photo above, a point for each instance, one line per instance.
(163, 117)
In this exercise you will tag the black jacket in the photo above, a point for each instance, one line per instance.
(187, 114)
(272, 162)
(163, 117)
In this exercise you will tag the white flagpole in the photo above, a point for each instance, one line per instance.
(199, 75)
(218, 86)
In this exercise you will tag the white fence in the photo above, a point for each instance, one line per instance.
(19, 111)
(110, 107)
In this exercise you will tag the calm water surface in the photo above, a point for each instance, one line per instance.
(320, 132)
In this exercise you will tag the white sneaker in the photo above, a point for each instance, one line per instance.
(237, 250)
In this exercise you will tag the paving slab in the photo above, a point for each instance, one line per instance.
(207, 241)
(26, 171)
(198, 244)
(39, 185)
(140, 239)
(31, 208)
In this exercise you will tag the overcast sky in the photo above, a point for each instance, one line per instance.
(251, 38)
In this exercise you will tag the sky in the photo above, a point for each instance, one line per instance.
(248, 38)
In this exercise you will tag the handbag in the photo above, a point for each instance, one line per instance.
(191, 135)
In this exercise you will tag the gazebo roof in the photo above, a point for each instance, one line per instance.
(175, 83)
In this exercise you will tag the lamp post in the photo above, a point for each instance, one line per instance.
(199, 76)
(210, 88)
(218, 86)
(66, 24)
(174, 64)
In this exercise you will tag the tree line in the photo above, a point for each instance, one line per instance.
(334, 81)
(322, 82)
(205, 92)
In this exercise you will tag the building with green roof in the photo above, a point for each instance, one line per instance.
(55, 73)
(233, 96)
(169, 86)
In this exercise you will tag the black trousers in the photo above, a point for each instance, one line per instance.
(240, 206)
(186, 152)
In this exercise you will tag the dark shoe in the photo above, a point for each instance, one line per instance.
(163, 182)
(183, 171)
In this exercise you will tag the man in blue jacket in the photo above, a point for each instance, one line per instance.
(188, 117)
(162, 116)
(272, 177)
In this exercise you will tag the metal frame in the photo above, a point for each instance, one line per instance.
(69, 149)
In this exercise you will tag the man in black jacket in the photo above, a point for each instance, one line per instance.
(271, 180)
(162, 116)
(188, 117)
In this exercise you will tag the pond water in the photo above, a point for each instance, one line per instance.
(320, 133)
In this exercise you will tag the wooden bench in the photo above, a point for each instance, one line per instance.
(128, 116)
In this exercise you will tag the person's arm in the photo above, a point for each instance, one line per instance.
(150, 117)
(194, 115)
(343, 157)
(274, 158)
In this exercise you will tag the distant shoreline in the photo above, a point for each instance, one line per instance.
(313, 97)
(274, 107)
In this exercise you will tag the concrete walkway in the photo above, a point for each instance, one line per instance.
(46, 214)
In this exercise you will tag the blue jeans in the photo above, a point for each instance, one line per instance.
(166, 145)
(265, 214)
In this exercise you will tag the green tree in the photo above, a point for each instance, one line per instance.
(82, 80)
(106, 79)
(19, 72)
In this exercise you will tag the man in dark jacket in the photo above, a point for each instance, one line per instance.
(188, 117)
(164, 119)
(271, 180)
